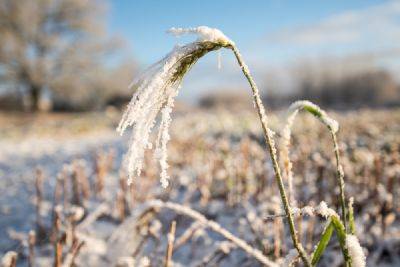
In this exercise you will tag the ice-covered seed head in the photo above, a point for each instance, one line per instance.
(155, 92)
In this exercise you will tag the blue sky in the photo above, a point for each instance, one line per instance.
(143, 23)
(271, 34)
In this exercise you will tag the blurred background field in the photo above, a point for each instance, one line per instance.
(218, 167)
(65, 67)
(81, 55)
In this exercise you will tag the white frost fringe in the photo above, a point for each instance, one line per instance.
(155, 91)
(204, 33)
(355, 250)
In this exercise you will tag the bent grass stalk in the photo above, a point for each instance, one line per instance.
(333, 223)
(268, 134)
(332, 126)
(155, 92)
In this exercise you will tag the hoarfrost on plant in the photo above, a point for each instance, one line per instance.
(204, 33)
(355, 250)
(155, 92)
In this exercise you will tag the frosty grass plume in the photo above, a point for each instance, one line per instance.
(155, 91)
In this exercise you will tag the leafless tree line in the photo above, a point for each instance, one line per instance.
(59, 48)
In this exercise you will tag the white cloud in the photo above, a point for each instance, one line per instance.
(376, 24)
(366, 38)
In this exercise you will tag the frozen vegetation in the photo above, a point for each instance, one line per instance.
(218, 168)
(226, 203)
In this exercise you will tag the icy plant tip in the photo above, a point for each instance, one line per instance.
(204, 33)
(155, 91)
(316, 111)
(356, 252)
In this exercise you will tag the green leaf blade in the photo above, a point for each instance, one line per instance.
(323, 243)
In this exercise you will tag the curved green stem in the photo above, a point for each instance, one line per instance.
(333, 127)
(272, 151)
(340, 177)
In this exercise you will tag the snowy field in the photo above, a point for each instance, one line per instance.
(218, 167)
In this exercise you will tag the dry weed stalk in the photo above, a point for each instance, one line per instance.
(102, 209)
(251, 217)
(59, 237)
(73, 252)
(189, 232)
(79, 169)
(170, 247)
(9, 259)
(277, 238)
(180, 209)
(101, 169)
(76, 188)
(121, 205)
(221, 250)
(64, 178)
(40, 228)
(58, 189)
(73, 215)
(31, 247)
(310, 233)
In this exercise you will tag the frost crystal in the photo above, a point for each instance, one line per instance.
(355, 250)
(155, 91)
(307, 210)
(324, 210)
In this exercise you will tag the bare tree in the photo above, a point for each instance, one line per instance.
(60, 45)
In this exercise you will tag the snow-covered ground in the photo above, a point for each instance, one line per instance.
(219, 168)
(20, 158)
